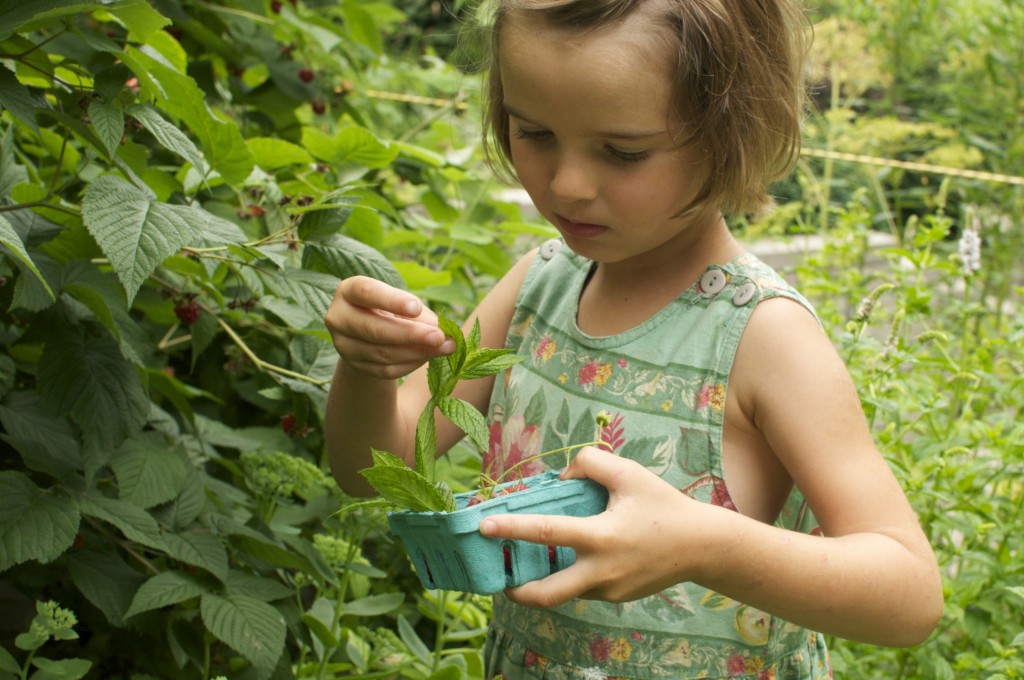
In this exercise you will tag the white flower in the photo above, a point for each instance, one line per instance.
(970, 250)
(593, 674)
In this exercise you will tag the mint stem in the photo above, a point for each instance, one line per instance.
(544, 455)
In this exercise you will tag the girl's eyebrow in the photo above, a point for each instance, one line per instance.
(603, 134)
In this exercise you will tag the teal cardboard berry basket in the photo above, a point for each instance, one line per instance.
(449, 553)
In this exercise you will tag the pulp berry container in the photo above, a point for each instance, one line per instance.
(448, 551)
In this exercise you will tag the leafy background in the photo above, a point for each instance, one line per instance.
(182, 183)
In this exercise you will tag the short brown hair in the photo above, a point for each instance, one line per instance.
(737, 85)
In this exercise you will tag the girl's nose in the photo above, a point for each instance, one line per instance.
(572, 180)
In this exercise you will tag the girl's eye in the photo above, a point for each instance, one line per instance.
(628, 156)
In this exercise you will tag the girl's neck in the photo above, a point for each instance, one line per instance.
(621, 295)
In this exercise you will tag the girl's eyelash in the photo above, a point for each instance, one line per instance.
(628, 156)
(617, 154)
(531, 134)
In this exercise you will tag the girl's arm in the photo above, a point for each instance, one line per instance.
(381, 334)
(871, 577)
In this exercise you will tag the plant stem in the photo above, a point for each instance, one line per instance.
(564, 449)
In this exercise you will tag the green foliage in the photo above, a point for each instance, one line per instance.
(182, 185)
(935, 349)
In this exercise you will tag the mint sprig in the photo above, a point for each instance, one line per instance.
(416, 489)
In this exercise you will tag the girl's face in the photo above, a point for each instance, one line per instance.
(592, 138)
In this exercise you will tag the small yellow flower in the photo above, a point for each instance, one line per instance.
(604, 371)
(563, 378)
(621, 649)
(666, 406)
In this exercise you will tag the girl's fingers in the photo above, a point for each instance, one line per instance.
(368, 293)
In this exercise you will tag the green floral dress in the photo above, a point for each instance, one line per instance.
(662, 387)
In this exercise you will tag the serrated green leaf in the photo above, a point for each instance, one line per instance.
(139, 17)
(426, 442)
(265, 589)
(180, 96)
(405, 488)
(438, 372)
(465, 416)
(375, 605)
(385, 459)
(34, 524)
(456, 358)
(204, 550)
(135, 232)
(149, 471)
(312, 291)
(10, 239)
(272, 553)
(46, 444)
(271, 153)
(494, 362)
(85, 376)
(166, 588)
(169, 136)
(15, 98)
(108, 122)
(343, 257)
(106, 581)
(134, 522)
(252, 628)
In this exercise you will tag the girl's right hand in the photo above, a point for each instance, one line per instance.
(381, 331)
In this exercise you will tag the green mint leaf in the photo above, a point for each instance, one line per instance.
(473, 339)
(465, 416)
(426, 442)
(405, 488)
(487, 362)
(385, 459)
(456, 358)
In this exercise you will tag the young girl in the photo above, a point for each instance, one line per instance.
(748, 503)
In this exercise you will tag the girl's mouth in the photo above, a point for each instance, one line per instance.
(579, 229)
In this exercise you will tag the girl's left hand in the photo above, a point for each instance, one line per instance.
(631, 550)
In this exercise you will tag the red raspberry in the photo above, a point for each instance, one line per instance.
(306, 75)
(508, 558)
(319, 107)
(187, 312)
(275, 6)
(288, 424)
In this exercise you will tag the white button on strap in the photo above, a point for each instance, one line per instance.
(745, 294)
(550, 248)
(713, 281)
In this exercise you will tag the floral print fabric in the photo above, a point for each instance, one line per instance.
(660, 389)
